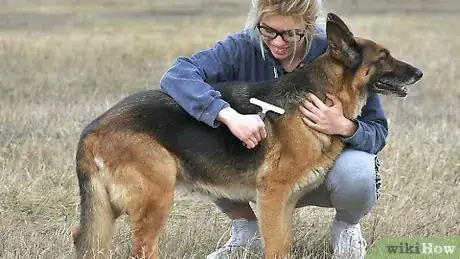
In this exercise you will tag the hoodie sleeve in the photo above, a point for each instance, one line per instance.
(187, 80)
(372, 129)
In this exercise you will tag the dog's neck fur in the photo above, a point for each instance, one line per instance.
(325, 75)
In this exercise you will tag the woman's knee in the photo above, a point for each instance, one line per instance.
(355, 177)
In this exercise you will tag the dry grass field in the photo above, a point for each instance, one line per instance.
(64, 62)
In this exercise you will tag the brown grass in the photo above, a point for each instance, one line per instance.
(64, 64)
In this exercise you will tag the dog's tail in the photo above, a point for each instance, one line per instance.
(92, 237)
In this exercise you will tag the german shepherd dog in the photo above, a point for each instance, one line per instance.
(131, 158)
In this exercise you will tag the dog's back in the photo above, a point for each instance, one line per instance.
(205, 154)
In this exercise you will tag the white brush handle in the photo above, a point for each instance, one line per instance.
(266, 106)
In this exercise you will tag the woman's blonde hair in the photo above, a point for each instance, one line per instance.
(306, 11)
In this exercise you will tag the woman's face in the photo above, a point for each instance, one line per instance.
(281, 33)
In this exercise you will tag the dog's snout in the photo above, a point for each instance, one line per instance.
(418, 74)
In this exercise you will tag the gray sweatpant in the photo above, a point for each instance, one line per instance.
(351, 187)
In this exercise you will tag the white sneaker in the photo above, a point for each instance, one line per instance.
(347, 241)
(245, 234)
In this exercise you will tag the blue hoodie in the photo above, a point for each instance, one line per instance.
(239, 58)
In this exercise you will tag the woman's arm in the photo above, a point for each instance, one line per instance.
(372, 130)
(187, 80)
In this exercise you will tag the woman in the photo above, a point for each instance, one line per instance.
(279, 36)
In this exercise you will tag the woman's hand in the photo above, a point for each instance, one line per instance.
(250, 128)
(327, 119)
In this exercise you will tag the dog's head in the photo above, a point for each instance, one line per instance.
(372, 64)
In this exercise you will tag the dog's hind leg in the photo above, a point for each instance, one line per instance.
(275, 220)
(151, 197)
(149, 214)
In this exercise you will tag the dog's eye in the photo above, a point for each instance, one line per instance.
(379, 60)
(385, 55)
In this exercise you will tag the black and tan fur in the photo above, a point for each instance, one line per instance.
(132, 157)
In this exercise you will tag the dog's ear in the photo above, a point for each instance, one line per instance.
(342, 44)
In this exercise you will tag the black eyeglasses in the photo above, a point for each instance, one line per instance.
(287, 35)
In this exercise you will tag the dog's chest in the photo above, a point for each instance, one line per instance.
(312, 179)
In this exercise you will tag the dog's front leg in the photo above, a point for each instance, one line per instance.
(275, 220)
